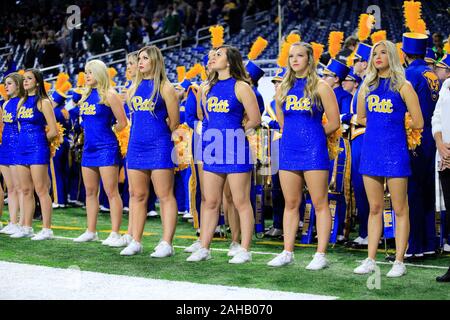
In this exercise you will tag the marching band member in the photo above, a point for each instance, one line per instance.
(302, 98)
(100, 108)
(155, 115)
(227, 96)
(421, 192)
(35, 112)
(8, 149)
(383, 100)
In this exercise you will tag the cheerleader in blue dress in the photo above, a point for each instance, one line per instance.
(384, 98)
(34, 113)
(301, 100)
(150, 157)
(8, 147)
(100, 108)
(227, 154)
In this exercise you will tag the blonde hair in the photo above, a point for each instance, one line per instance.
(396, 71)
(157, 72)
(312, 79)
(100, 73)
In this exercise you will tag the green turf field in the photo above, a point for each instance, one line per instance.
(338, 280)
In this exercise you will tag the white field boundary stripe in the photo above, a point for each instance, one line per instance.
(410, 265)
(30, 282)
(274, 254)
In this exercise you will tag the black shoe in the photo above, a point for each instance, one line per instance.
(445, 277)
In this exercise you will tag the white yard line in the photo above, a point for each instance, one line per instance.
(30, 282)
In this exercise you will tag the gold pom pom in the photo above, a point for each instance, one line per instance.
(181, 72)
(365, 25)
(66, 86)
(317, 51)
(182, 139)
(3, 92)
(216, 36)
(333, 140)
(257, 48)
(414, 136)
(335, 40)
(194, 71)
(81, 79)
(56, 142)
(123, 136)
(378, 36)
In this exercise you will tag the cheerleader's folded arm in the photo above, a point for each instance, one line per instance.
(170, 98)
(411, 99)
(247, 97)
(330, 106)
(115, 102)
(46, 107)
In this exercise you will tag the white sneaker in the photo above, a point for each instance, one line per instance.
(104, 209)
(318, 262)
(163, 250)
(86, 237)
(358, 240)
(152, 214)
(242, 256)
(283, 259)
(398, 270)
(234, 249)
(126, 209)
(367, 266)
(23, 232)
(187, 215)
(133, 248)
(181, 213)
(340, 238)
(193, 247)
(201, 254)
(127, 239)
(446, 247)
(365, 241)
(112, 237)
(118, 242)
(11, 228)
(44, 234)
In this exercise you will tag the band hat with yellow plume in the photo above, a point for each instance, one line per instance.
(363, 52)
(217, 40)
(414, 42)
(257, 48)
(336, 68)
(283, 56)
(62, 86)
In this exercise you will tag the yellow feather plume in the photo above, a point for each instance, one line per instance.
(412, 12)
(21, 72)
(3, 92)
(447, 47)
(203, 74)
(421, 27)
(81, 79)
(293, 38)
(335, 40)
(257, 48)
(181, 72)
(365, 25)
(60, 79)
(350, 60)
(194, 71)
(112, 72)
(47, 86)
(400, 52)
(378, 36)
(284, 54)
(216, 36)
(66, 86)
(317, 51)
